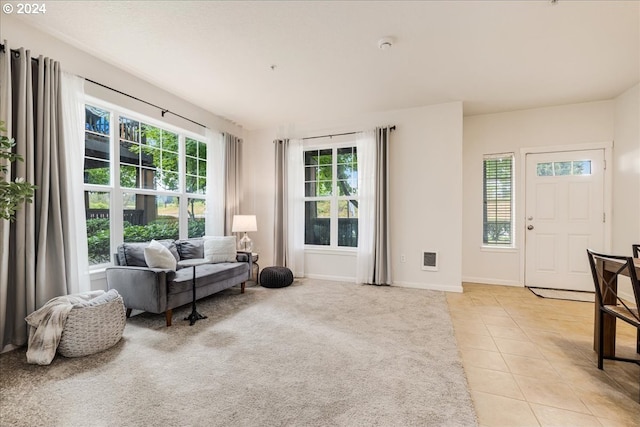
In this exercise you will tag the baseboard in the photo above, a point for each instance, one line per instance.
(414, 285)
(330, 278)
(429, 286)
(486, 281)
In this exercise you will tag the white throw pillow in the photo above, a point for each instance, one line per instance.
(220, 249)
(159, 256)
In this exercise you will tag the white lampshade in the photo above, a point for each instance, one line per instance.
(244, 223)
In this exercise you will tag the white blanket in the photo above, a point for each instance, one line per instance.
(46, 325)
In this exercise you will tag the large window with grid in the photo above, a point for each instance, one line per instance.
(142, 181)
(497, 214)
(331, 196)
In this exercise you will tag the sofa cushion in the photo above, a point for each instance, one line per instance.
(205, 274)
(158, 255)
(132, 254)
(190, 248)
(220, 249)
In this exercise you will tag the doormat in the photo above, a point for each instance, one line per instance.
(563, 294)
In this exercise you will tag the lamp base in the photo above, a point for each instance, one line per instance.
(245, 244)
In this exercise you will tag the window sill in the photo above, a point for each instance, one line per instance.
(98, 273)
(330, 250)
(501, 249)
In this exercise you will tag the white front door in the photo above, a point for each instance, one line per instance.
(564, 216)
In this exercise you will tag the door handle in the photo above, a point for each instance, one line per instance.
(529, 227)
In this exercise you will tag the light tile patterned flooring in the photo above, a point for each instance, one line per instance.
(530, 361)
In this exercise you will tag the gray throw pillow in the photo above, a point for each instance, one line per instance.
(133, 253)
(190, 248)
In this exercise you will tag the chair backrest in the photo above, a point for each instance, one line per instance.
(603, 282)
(636, 250)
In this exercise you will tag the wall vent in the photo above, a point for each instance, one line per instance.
(430, 260)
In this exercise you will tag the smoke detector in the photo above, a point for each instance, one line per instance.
(385, 43)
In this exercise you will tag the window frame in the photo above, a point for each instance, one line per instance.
(334, 198)
(114, 188)
(494, 244)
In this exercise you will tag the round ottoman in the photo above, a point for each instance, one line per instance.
(276, 277)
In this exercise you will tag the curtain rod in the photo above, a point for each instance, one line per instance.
(339, 134)
(16, 52)
(162, 110)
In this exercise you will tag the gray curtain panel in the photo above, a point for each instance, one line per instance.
(281, 203)
(33, 247)
(382, 242)
(233, 180)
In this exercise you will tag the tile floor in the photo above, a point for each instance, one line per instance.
(530, 361)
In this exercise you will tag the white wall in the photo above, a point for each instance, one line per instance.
(626, 171)
(587, 123)
(425, 192)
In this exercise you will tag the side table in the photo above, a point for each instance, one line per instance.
(254, 260)
(194, 316)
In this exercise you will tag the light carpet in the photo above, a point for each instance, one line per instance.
(317, 353)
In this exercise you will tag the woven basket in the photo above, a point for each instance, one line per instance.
(89, 330)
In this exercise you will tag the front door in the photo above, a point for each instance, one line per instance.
(564, 216)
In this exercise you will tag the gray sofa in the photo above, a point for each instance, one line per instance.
(160, 291)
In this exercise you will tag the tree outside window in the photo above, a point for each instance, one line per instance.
(155, 177)
(331, 197)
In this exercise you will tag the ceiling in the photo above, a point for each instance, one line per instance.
(264, 64)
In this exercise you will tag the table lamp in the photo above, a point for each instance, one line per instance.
(244, 223)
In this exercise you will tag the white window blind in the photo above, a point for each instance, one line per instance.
(498, 199)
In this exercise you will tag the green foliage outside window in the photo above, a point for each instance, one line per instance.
(196, 162)
(320, 181)
(98, 239)
(575, 167)
(98, 176)
(151, 149)
(148, 159)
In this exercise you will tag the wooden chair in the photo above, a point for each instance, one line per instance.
(636, 254)
(610, 303)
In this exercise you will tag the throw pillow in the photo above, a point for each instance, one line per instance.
(132, 254)
(159, 256)
(190, 248)
(220, 249)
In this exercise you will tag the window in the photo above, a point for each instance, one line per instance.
(579, 167)
(196, 183)
(142, 182)
(97, 180)
(148, 157)
(498, 200)
(331, 197)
